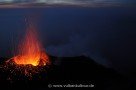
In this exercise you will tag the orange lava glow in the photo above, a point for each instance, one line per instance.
(30, 49)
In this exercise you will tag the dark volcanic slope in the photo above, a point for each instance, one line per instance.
(71, 70)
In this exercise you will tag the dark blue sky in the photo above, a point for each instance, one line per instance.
(108, 35)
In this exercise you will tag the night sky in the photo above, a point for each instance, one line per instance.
(107, 35)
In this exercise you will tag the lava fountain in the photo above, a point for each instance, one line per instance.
(30, 61)
(30, 50)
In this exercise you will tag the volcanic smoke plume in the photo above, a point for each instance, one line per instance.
(30, 50)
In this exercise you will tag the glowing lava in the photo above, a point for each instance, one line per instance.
(30, 49)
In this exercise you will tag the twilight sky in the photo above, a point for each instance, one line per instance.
(71, 1)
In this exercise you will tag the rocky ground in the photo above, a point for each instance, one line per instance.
(79, 70)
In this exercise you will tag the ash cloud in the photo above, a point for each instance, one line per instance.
(109, 38)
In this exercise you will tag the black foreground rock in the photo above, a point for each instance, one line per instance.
(62, 73)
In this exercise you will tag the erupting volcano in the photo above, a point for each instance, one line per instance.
(30, 50)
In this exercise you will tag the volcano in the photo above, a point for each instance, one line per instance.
(69, 70)
(33, 68)
(30, 57)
